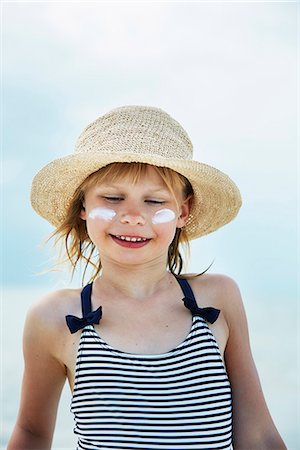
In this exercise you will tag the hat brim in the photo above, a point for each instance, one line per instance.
(217, 198)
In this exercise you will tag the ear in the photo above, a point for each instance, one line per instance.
(184, 212)
(82, 213)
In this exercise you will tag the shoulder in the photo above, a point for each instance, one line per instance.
(219, 291)
(52, 306)
(45, 319)
(219, 288)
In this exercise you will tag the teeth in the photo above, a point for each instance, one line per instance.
(131, 239)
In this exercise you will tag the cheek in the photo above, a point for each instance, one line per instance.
(164, 223)
(164, 216)
(102, 214)
(97, 221)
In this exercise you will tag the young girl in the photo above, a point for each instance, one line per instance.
(154, 359)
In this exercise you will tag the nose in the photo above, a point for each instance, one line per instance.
(133, 217)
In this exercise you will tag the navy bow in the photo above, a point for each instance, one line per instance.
(209, 314)
(76, 323)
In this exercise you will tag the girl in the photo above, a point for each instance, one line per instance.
(154, 359)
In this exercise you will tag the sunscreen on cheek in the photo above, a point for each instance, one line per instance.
(102, 213)
(163, 216)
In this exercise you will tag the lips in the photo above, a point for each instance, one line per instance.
(130, 241)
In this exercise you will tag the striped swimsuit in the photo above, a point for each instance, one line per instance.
(178, 400)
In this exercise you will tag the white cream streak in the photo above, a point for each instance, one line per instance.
(102, 213)
(163, 216)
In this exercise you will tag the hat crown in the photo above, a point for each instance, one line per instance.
(136, 130)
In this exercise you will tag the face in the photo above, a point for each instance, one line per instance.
(134, 223)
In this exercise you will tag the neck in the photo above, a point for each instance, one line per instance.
(134, 282)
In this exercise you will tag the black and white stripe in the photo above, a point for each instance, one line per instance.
(179, 400)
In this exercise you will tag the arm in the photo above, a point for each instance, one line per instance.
(253, 427)
(43, 380)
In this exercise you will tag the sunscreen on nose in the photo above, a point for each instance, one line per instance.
(102, 213)
(163, 216)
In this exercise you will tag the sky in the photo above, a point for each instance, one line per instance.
(227, 71)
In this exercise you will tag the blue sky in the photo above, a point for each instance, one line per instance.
(227, 71)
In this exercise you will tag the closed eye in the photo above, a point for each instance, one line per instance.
(113, 199)
(155, 202)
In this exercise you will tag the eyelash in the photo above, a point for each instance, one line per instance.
(155, 202)
(113, 199)
(117, 199)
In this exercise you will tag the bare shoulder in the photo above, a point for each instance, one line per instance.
(219, 289)
(45, 320)
(52, 306)
(222, 292)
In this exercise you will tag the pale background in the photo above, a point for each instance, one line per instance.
(228, 71)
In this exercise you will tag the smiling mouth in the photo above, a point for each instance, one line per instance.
(131, 238)
(130, 241)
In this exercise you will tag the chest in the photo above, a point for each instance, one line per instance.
(144, 332)
(135, 331)
(169, 391)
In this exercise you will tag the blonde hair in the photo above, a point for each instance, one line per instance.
(72, 232)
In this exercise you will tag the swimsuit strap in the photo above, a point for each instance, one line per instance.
(209, 314)
(89, 317)
(186, 288)
(86, 302)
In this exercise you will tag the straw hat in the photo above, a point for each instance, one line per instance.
(137, 134)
